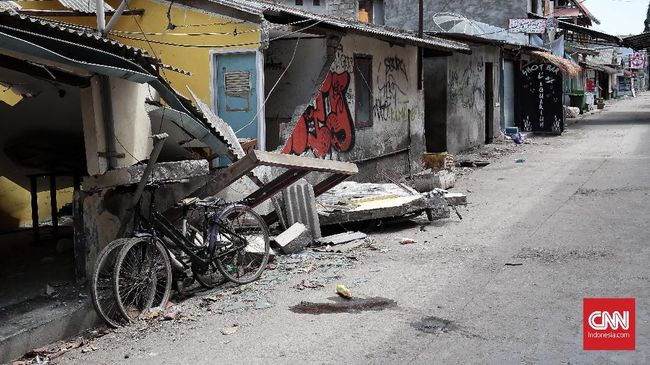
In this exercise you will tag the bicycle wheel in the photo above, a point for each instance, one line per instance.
(208, 276)
(101, 288)
(240, 240)
(143, 277)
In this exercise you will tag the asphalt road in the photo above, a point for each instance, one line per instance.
(573, 219)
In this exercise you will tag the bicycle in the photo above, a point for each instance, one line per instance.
(235, 243)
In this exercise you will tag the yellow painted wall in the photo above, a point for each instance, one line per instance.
(242, 36)
(15, 204)
(15, 201)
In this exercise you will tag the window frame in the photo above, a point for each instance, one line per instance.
(358, 82)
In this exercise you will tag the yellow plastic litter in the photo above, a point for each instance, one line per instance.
(343, 291)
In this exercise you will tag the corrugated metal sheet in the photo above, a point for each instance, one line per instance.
(270, 9)
(84, 6)
(9, 5)
(74, 32)
(141, 67)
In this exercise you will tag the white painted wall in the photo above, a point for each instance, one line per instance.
(130, 119)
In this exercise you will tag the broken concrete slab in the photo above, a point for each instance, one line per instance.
(340, 238)
(355, 202)
(162, 172)
(295, 239)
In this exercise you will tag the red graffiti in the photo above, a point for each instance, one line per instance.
(326, 126)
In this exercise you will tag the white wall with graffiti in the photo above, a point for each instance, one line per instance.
(367, 107)
(466, 97)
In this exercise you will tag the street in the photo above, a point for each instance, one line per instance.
(504, 285)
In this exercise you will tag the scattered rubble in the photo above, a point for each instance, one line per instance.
(295, 239)
(340, 238)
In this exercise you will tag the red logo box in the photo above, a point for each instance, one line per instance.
(608, 323)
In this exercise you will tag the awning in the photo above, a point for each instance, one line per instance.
(596, 35)
(638, 42)
(567, 67)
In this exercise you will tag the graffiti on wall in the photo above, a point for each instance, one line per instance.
(391, 102)
(327, 125)
(467, 87)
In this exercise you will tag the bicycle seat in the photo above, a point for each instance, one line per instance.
(208, 201)
(188, 201)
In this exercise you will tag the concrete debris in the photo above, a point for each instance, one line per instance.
(162, 172)
(300, 206)
(340, 238)
(428, 180)
(295, 239)
(355, 202)
(456, 198)
(341, 248)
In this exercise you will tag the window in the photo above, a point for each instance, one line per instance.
(299, 2)
(316, 2)
(363, 90)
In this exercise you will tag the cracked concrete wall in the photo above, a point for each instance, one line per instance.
(466, 97)
(404, 13)
(330, 127)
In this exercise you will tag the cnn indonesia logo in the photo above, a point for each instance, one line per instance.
(608, 323)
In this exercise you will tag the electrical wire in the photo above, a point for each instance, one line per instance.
(217, 45)
(293, 56)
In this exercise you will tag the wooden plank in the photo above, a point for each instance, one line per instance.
(328, 183)
(230, 174)
(287, 178)
(305, 163)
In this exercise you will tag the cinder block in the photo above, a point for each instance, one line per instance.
(300, 206)
(428, 180)
(295, 239)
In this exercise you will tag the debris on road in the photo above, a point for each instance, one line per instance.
(343, 291)
(456, 198)
(356, 202)
(520, 160)
(428, 180)
(472, 163)
(345, 237)
(406, 241)
(295, 239)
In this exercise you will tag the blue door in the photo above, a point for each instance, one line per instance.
(237, 92)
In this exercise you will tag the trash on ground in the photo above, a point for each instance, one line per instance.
(343, 291)
(230, 330)
(513, 264)
(472, 163)
(520, 160)
(518, 138)
(406, 241)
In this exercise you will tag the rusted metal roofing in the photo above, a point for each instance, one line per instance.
(277, 13)
(84, 6)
